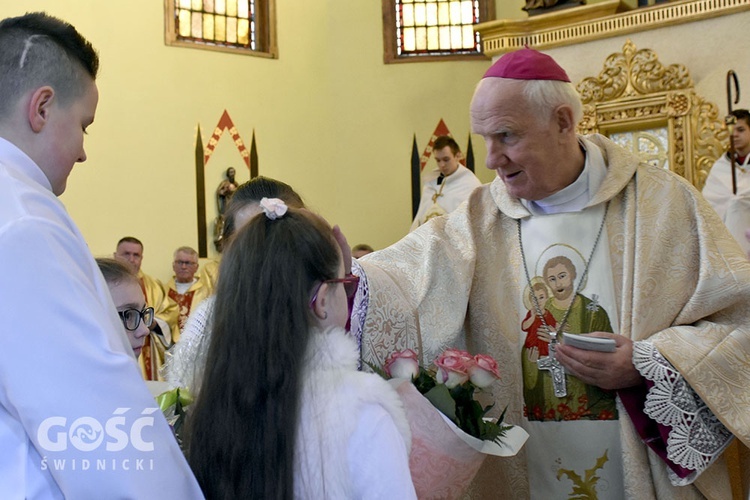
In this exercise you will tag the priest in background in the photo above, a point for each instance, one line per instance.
(450, 188)
(164, 330)
(185, 288)
(640, 246)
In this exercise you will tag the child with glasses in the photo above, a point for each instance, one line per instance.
(283, 411)
(129, 300)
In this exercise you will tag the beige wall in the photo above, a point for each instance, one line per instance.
(329, 117)
(510, 9)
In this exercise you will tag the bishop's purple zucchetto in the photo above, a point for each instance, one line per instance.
(527, 64)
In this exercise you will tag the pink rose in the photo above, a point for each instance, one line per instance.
(453, 367)
(483, 371)
(403, 364)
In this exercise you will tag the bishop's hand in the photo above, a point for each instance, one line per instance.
(608, 370)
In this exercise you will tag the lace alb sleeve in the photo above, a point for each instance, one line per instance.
(696, 437)
(361, 303)
(185, 361)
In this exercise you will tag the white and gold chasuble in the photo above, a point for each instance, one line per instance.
(165, 315)
(678, 281)
(576, 460)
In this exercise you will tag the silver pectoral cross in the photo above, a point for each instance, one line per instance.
(555, 369)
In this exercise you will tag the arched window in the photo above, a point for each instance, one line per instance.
(429, 30)
(241, 26)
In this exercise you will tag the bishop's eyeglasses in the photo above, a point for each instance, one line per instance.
(131, 318)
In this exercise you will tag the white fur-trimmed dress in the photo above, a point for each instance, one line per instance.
(353, 439)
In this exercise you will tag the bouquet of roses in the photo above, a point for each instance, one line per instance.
(449, 445)
(450, 388)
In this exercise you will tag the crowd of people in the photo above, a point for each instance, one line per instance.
(572, 237)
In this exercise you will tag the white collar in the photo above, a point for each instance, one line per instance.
(20, 161)
(574, 197)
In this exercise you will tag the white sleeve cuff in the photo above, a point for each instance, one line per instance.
(697, 437)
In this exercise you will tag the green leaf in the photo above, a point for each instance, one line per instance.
(186, 399)
(378, 370)
(495, 431)
(424, 382)
(167, 399)
(441, 399)
(502, 415)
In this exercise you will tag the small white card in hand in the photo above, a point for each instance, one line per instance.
(589, 343)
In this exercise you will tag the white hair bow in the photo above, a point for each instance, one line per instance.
(273, 207)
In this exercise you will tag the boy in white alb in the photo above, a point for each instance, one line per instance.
(76, 420)
(734, 209)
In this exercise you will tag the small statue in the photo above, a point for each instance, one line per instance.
(226, 189)
(224, 193)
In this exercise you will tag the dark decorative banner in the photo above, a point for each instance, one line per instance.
(416, 183)
(470, 155)
(202, 155)
(200, 194)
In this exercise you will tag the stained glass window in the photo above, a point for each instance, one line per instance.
(433, 28)
(235, 25)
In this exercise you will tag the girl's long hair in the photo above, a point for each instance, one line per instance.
(241, 432)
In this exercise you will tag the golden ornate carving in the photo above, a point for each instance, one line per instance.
(635, 90)
(632, 73)
(678, 104)
(603, 19)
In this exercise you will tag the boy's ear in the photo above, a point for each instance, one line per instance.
(40, 107)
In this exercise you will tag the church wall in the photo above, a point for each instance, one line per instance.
(510, 9)
(330, 118)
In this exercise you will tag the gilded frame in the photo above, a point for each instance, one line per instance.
(635, 90)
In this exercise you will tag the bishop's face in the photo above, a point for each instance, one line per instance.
(522, 148)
